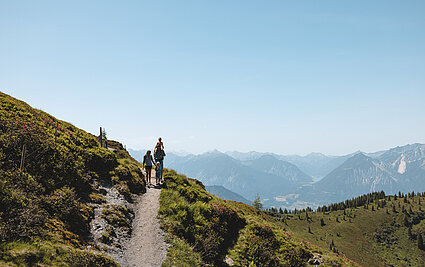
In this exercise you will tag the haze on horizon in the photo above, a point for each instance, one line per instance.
(277, 76)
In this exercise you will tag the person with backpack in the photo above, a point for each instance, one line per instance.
(159, 154)
(147, 164)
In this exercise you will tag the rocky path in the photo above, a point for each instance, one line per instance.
(147, 246)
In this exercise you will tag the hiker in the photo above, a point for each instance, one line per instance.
(147, 164)
(158, 173)
(160, 143)
(159, 154)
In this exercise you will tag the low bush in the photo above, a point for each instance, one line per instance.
(189, 212)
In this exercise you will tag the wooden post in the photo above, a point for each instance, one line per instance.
(100, 137)
(22, 158)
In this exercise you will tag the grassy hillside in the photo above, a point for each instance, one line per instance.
(377, 230)
(206, 230)
(47, 200)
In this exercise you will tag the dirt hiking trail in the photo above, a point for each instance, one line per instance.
(147, 245)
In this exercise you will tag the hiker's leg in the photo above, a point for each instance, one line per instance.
(162, 167)
(148, 174)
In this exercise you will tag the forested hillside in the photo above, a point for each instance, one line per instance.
(372, 229)
(52, 178)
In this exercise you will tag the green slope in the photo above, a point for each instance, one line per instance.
(375, 233)
(46, 204)
(206, 230)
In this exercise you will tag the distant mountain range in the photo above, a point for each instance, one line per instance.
(398, 169)
(316, 165)
(247, 178)
(294, 181)
(224, 193)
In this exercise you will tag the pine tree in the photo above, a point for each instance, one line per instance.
(322, 222)
(257, 203)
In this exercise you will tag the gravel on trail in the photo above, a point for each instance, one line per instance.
(147, 246)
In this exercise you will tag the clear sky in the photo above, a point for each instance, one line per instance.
(289, 77)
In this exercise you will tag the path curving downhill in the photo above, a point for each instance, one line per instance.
(147, 245)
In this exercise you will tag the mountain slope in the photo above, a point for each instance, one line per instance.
(215, 168)
(407, 163)
(317, 165)
(398, 169)
(224, 193)
(357, 175)
(272, 165)
(373, 229)
(54, 182)
(206, 230)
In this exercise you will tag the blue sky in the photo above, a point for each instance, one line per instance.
(278, 76)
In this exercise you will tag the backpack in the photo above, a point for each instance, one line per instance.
(159, 154)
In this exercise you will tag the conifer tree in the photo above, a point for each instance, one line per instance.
(322, 222)
(257, 203)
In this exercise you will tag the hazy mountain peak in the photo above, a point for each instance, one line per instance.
(268, 157)
(316, 154)
(213, 152)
